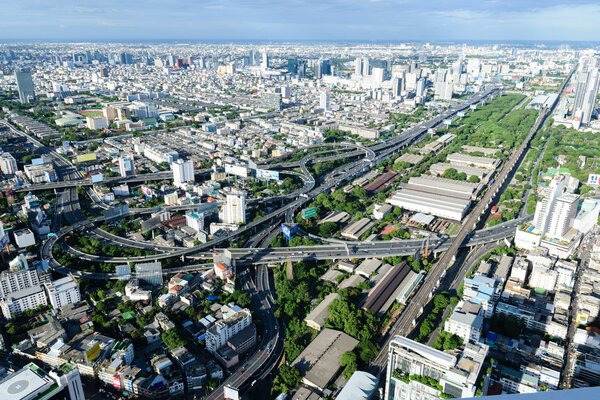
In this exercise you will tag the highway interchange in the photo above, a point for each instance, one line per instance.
(67, 205)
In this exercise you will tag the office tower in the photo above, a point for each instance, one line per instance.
(410, 364)
(561, 219)
(318, 70)
(440, 75)
(543, 209)
(104, 72)
(324, 101)
(265, 61)
(271, 101)
(234, 209)
(286, 92)
(325, 67)
(366, 68)
(183, 172)
(125, 58)
(292, 66)
(301, 68)
(127, 165)
(378, 74)
(8, 164)
(251, 58)
(171, 60)
(25, 86)
(396, 87)
(32, 382)
(420, 90)
(358, 66)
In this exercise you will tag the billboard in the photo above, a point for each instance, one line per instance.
(37, 161)
(236, 170)
(116, 381)
(123, 271)
(92, 352)
(460, 113)
(473, 106)
(86, 157)
(593, 179)
(147, 191)
(289, 231)
(97, 178)
(267, 174)
(309, 212)
(230, 393)
(116, 212)
(150, 223)
(202, 236)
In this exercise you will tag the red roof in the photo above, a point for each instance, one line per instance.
(388, 229)
(496, 215)
(495, 208)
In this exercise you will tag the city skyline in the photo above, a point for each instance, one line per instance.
(336, 20)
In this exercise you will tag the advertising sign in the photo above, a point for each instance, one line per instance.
(92, 352)
(309, 212)
(267, 174)
(460, 113)
(97, 178)
(202, 236)
(116, 381)
(289, 231)
(236, 170)
(473, 106)
(230, 393)
(593, 179)
(86, 157)
(147, 191)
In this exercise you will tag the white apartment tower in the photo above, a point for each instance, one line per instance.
(543, 209)
(234, 210)
(563, 213)
(127, 165)
(183, 172)
(218, 335)
(11, 282)
(324, 101)
(62, 292)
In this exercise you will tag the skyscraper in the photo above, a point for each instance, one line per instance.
(127, 165)
(25, 86)
(183, 172)
(358, 67)
(561, 220)
(292, 66)
(543, 209)
(265, 61)
(396, 87)
(234, 209)
(324, 101)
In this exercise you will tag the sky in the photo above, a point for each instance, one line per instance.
(284, 20)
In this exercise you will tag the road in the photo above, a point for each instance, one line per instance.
(414, 309)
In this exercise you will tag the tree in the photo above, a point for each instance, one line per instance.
(290, 375)
(474, 179)
(349, 361)
(440, 301)
(327, 229)
(172, 339)
(242, 298)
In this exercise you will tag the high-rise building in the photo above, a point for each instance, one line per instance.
(358, 66)
(324, 102)
(541, 219)
(18, 279)
(563, 213)
(410, 364)
(25, 86)
(271, 101)
(292, 66)
(63, 292)
(195, 220)
(127, 165)
(8, 164)
(27, 299)
(32, 383)
(183, 172)
(234, 209)
(221, 331)
(149, 273)
(397, 87)
(265, 61)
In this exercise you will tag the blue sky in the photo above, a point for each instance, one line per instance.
(398, 20)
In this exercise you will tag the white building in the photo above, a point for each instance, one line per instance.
(63, 292)
(127, 165)
(563, 214)
(194, 220)
(183, 172)
(457, 377)
(466, 325)
(8, 164)
(24, 238)
(324, 101)
(223, 330)
(541, 219)
(23, 300)
(17, 280)
(483, 291)
(234, 209)
(543, 278)
(96, 122)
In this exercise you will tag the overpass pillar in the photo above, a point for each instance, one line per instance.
(421, 310)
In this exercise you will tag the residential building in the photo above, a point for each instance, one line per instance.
(8, 164)
(62, 292)
(127, 165)
(16, 280)
(409, 361)
(183, 172)
(218, 335)
(23, 300)
(234, 209)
